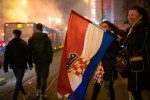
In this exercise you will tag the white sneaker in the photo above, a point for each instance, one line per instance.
(38, 93)
(25, 97)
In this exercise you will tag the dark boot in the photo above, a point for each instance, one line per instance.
(112, 93)
(97, 87)
(110, 90)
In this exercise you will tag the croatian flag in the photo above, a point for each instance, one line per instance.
(85, 45)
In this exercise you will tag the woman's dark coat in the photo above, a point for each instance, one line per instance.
(109, 59)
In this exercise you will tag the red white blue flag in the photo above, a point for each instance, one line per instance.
(85, 45)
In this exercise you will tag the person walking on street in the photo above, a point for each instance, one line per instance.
(40, 48)
(16, 57)
(139, 75)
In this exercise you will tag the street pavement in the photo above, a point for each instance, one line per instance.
(120, 85)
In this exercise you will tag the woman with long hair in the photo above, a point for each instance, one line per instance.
(108, 60)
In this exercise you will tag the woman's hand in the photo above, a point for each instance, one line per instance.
(119, 38)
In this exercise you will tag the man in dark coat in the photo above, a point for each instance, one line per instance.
(16, 57)
(41, 52)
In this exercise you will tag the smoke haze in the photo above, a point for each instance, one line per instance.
(33, 11)
(39, 10)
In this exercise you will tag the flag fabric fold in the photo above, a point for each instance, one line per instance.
(85, 44)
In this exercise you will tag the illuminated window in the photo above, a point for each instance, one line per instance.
(19, 25)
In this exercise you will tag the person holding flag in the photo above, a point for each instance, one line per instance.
(108, 60)
(85, 45)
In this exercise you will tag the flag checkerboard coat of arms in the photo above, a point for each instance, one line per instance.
(85, 44)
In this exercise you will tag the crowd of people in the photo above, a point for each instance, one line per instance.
(133, 36)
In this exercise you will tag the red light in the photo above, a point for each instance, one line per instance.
(30, 83)
(3, 44)
(54, 35)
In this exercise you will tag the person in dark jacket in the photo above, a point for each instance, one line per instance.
(139, 75)
(41, 52)
(125, 27)
(108, 60)
(16, 57)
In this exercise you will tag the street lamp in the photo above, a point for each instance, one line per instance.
(24, 2)
(86, 0)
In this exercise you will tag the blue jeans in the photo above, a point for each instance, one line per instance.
(42, 71)
(19, 73)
